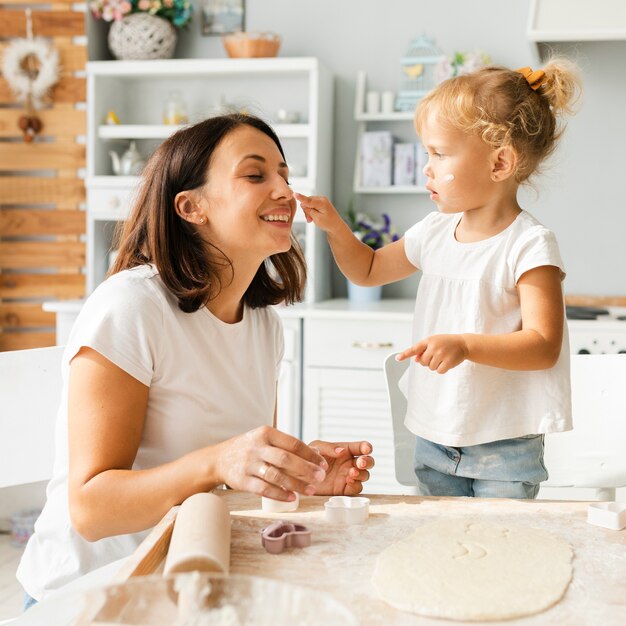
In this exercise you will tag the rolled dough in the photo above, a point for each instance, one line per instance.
(466, 570)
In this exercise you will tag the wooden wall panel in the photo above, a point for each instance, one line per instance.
(41, 156)
(16, 340)
(32, 223)
(72, 58)
(42, 221)
(41, 254)
(68, 89)
(61, 286)
(32, 190)
(60, 23)
(24, 315)
(59, 121)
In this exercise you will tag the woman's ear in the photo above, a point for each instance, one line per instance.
(503, 164)
(187, 207)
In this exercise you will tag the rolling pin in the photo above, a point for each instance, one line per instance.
(201, 536)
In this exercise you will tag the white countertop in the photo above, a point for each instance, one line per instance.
(388, 309)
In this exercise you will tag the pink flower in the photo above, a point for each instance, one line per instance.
(168, 3)
(125, 7)
(143, 5)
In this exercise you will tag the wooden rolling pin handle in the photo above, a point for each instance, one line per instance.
(201, 536)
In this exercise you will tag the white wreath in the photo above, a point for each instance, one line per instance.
(19, 80)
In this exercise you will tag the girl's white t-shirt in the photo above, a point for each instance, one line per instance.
(471, 288)
(208, 380)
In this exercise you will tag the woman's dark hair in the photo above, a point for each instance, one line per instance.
(155, 233)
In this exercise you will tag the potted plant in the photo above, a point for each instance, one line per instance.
(142, 29)
(375, 234)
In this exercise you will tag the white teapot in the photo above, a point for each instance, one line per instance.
(131, 163)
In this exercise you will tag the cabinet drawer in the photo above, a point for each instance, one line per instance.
(362, 344)
(113, 203)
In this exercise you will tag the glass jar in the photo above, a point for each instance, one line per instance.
(175, 109)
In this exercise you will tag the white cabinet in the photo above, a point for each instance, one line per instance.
(577, 20)
(136, 91)
(345, 396)
(400, 123)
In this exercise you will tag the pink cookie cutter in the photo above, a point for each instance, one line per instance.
(280, 535)
(347, 510)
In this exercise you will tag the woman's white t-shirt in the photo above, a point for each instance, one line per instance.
(471, 288)
(208, 380)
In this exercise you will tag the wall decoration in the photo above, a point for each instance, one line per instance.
(222, 16)
(31, 68)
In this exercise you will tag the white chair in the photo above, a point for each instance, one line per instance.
(593, 455)
(403, 438)
(30, 393)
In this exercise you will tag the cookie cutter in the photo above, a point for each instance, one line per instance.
(280, 535)
(610, 515)
(269, 505)
(347, 510)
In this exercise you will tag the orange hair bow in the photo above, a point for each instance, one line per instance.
(534, 78)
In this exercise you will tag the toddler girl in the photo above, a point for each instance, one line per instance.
(490, 361)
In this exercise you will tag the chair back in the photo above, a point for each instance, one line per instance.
(593, 454)
(403, 438)
(30, 393)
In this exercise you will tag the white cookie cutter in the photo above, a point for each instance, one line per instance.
(269, 505)
(610, 515)
(347, 510)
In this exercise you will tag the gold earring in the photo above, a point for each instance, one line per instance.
(201, 220)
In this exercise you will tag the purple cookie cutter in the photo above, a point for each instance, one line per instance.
(280, 535)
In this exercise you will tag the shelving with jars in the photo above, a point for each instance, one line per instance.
(400, 123)
(295, 95)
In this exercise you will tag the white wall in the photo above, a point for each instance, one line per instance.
(582, 197)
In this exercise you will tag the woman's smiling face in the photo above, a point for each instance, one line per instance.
(247, 200)
(458, 168)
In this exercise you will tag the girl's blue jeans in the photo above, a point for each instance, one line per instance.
(510, 468)
(28, 602)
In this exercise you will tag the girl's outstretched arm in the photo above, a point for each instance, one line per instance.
(357, 261)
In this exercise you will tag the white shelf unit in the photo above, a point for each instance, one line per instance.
(364, 120)
(137, 90)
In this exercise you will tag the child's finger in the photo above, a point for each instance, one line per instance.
(416, 351)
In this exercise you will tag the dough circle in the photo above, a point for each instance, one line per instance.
(464, 570)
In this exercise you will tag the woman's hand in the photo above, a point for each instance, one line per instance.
(348, 465)
(270, 463)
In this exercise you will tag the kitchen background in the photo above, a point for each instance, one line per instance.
(582, 194)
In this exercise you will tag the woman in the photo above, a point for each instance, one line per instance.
(171, 368)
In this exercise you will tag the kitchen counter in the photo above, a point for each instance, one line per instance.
(341, 559)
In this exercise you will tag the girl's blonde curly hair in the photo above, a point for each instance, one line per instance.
(499, 105)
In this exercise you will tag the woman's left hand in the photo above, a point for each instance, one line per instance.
(348, 465)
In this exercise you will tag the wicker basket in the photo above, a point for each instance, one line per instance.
(251, 44)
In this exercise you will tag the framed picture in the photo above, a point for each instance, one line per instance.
(222, 16)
